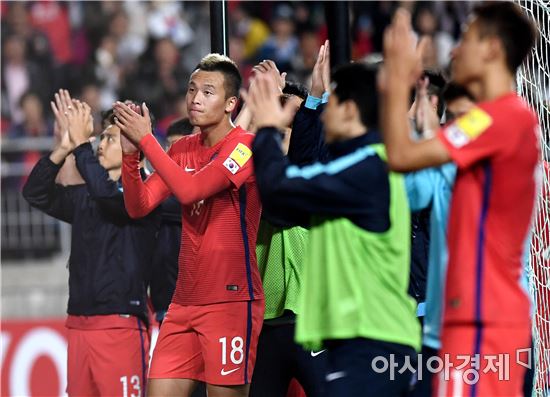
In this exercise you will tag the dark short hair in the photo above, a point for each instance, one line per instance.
(357, 82)
(296, 89)
(107, 118)
(28, 94)
(511, 26)
(225, 65)
(454, 91)
(435, 87)
(180, 127)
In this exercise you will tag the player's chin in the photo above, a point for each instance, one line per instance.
(201, 122)
(457, 75)
(195, 119)
(102, 161)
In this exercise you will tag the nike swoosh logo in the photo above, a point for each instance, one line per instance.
(189, 169)
(223, 372)
(335, 375)
(315, 354)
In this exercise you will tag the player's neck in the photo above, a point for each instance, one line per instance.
(216, 133)
(496, 83)
(115, 174)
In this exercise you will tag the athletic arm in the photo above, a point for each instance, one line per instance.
(336, 188)
(244, 118)
(404, 154)
(188, 188)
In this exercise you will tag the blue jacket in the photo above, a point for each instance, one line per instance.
(335, 186)
(433, 187)
(111, 254)
(165, 259)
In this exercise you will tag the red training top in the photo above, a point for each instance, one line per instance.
(496, 149)
(220, 213)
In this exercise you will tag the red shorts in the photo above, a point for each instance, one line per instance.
(495, 367)
(213, 343)
(107, 356)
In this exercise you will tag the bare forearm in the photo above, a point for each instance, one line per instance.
(244, 119)
(395, 123)
(68, 174)
(59, 155)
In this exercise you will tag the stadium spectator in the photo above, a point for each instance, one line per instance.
(19, 75)
(437, 55)
(166, 21)
(160, 78)
(304, 60)
(34, 123)
(253, 31)
(282, 44)
(38, 49)
(51, 18)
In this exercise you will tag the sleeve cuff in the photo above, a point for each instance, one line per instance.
(313, 102)
(85, 147)
(146, 142)
(46, 160)
(272, 130)
(453, 152)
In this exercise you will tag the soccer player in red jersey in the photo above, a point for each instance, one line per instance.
(211, 329)
(495, 146)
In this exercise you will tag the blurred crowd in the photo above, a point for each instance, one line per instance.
(145, 50)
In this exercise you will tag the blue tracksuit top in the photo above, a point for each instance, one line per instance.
(433, 186)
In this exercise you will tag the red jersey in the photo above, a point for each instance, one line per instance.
(495, 147)
(220, 213)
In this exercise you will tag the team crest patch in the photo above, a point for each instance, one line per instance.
(238, 158)
(231, 165)
(468, 127)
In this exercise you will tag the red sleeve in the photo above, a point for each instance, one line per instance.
(140, 198)
(475, 136)
(187, 188)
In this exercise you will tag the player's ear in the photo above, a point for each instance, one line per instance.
(494, 48)
(351, 111)
(230, 104)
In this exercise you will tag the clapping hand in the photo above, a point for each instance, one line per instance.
(265, 106)
(134, 122)
(60, 105)
(320, 78)
(427, 119)
(269, 68)
(79, 116)
(402, 56)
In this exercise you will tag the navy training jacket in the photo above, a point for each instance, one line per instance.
(111, 254)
